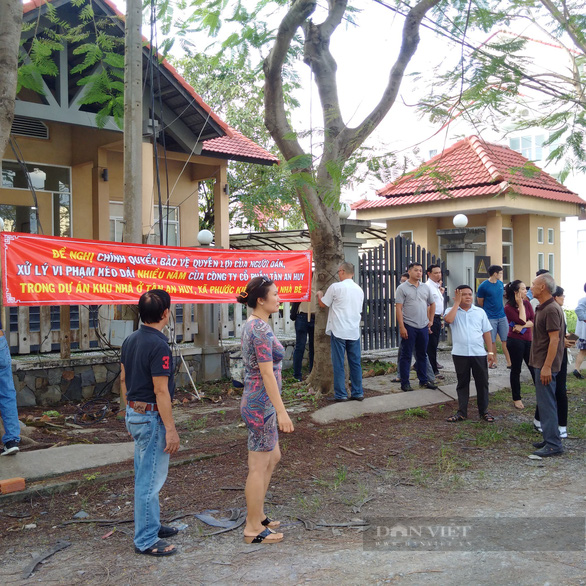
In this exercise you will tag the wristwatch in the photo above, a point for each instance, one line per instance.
(491, 353)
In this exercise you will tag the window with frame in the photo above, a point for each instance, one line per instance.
(407, 234)
(540, 235)
(507, 254)
(116, 221)
(550, 264)
(550, 235)
(170, 227)
(531, 147)
(45, 178)
(540, 261)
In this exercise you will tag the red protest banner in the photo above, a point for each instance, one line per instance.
(49, 270)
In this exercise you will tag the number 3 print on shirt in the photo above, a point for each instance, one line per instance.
(166, 362)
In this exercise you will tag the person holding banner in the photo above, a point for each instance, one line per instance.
(262, 408)
(146, 378)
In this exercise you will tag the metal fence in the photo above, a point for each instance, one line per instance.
(379, 274)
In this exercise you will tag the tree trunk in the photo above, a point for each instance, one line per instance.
(10, 28)
(328, 253)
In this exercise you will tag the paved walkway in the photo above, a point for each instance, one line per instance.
(53, 462)
(396, 400)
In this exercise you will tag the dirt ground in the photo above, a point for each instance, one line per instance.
(332, 479)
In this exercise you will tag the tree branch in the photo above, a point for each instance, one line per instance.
(275, 115)
(350, 139)
(320, 60)
(564, 20)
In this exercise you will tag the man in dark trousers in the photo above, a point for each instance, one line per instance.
(434, 282)
(470, 335)
(146, 377)
(547, 351)
(415, 309)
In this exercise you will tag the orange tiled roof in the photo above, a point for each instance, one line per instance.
(238, 147)
(471, 168)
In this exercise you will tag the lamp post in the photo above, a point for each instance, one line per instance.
(459, 252)
(208, 326)
(205, 237)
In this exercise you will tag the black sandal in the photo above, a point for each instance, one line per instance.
(455, 418)
(488, 418)
(165, 532)
(158, 549)
(260, 538)
(268, 522)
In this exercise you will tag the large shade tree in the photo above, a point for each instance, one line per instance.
(10, 28)
(318, 179)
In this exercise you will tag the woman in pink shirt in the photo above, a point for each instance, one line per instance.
(520, 316)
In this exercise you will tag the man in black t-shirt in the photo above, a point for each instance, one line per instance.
(146, 377)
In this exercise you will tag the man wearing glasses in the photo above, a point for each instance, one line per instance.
(344, 300)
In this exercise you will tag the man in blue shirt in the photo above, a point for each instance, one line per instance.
(470, 333)
(490, 297)
(146, 377)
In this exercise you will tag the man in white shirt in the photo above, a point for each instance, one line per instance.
(471, 331)
(344, 300)
(434, 282)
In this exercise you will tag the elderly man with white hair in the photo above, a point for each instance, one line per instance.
(547, 351)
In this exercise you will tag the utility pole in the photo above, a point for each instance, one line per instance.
(133, 123)
(132, 137)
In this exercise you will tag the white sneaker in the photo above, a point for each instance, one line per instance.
(537, 425)
(563, 432)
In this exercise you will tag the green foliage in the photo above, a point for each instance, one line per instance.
(95, 39)
(52, 413)
(416, 413)
(260, 195)
(499, 78)
(571, 320)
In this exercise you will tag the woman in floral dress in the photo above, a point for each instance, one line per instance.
(262, 407)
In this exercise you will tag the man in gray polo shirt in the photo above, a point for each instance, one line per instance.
(415, 311)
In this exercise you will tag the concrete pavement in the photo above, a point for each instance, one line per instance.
(41, 464)
(396, 400)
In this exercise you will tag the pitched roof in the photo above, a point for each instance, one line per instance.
(219, 138)
(238, 148)
(471, 168)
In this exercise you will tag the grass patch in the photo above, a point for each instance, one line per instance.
(415, 412)
(196, 424)
(419, 475)
(503, 397)
(523, 430)
(489, 436)
(309, 504)
(340, 477)
(449, 462)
